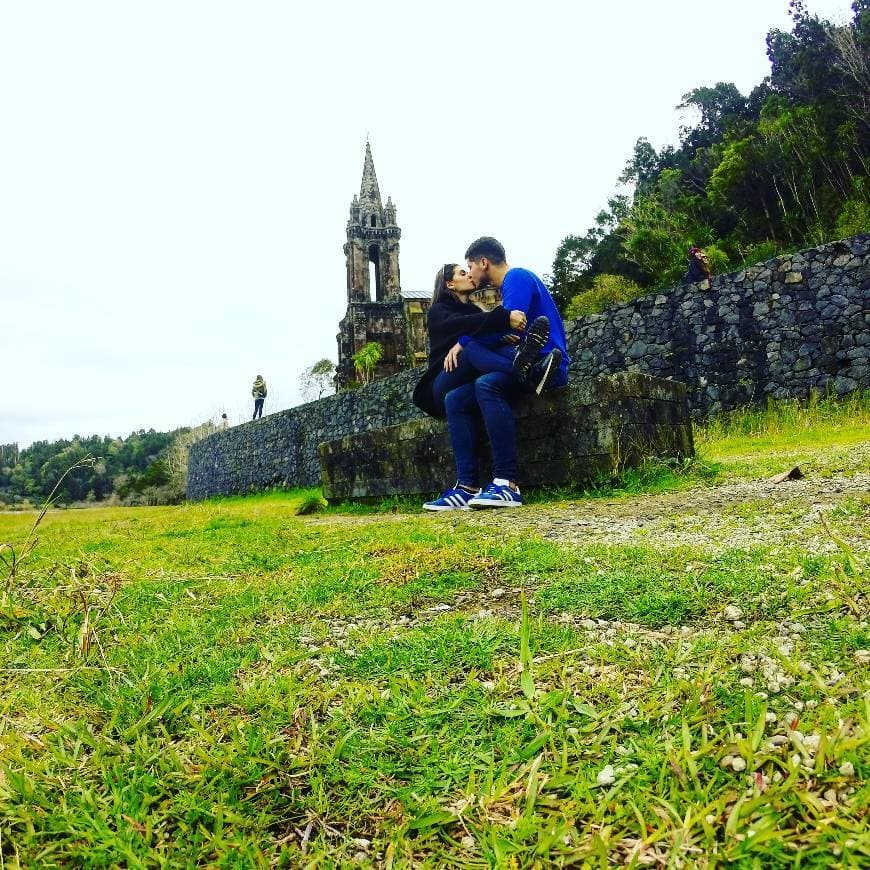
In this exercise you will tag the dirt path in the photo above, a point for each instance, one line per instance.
(748, 512)
(743, 513)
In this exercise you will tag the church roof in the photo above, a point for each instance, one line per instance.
(416, 294)
(368, 189)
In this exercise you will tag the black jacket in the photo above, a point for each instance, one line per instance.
(696, 272)
(448, 319)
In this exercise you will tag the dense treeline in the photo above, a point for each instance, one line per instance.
(785, 167)
(122, 467)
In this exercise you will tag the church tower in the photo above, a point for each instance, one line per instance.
(377, 308)
(372, 248)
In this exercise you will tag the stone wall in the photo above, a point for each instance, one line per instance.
(566, 436)
(281, 449)
(779, 329)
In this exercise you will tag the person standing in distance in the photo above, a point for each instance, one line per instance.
(258, 391)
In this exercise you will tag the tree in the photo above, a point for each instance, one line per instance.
(318, 380)
(366, 359)
(785, 167)
(720, 108)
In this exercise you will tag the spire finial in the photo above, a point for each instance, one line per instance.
(369, 190)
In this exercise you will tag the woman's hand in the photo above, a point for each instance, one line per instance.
(452, 358)
(518, 320)
(510, 339)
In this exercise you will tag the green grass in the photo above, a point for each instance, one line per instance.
(232, 684)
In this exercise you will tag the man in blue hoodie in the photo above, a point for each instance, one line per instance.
(541, 362)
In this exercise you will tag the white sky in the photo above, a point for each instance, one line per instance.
(175, 177)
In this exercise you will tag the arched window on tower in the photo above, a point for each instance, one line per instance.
(375, 290)
(374, 221)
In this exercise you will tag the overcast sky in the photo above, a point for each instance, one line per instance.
(175, 177)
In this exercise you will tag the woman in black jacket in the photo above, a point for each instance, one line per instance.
(451, 316)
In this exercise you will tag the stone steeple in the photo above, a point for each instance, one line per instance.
(369, 192)
(372, 238)
(377, 310)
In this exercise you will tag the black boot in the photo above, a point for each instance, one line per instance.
(531, 346)
(541, 372)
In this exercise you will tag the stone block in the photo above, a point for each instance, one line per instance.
(565, 436)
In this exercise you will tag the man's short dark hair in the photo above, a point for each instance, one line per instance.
(486, 246)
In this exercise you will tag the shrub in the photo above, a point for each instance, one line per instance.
(719, 261)
(606, 290)
(855, 215)
(760, 252)
(312, 502)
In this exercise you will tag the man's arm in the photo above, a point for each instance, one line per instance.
(517, 290)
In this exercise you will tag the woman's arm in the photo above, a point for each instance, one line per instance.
(445, 324)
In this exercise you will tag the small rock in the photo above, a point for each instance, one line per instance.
(726, 762)
(607, 776)
(468, 842)
(497, 593)
(362, 843)
(862, 656)
(732, 612)
(847, 769)
(739, 624)
(738, 764)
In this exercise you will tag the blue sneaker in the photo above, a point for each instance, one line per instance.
(497, 495)
(455, 499)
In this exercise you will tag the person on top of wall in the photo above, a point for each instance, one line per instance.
(699, 266)
(258, 391)
(539, 361)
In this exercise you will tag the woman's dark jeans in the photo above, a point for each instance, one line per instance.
(444, 381)
(258, 408)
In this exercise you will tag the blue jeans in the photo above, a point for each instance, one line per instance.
(491, 397)
(446, 381)
(485, 359)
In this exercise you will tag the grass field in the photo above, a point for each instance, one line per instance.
(668, 671)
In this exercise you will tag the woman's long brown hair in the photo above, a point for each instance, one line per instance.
(442, 276)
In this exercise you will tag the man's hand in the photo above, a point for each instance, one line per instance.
(518, 320)
(452, 358)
